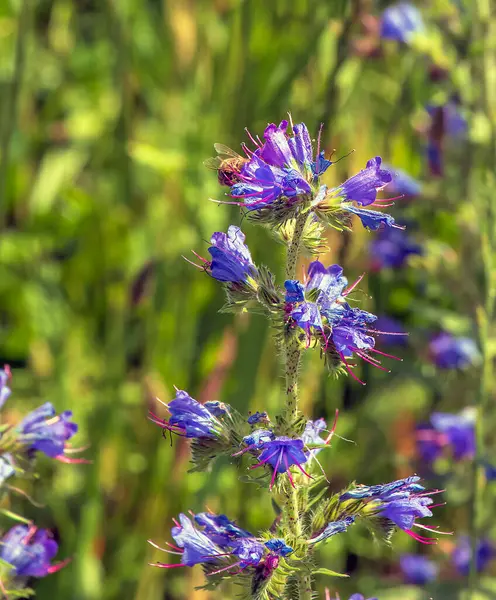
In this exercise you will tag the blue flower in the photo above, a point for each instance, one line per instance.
(282, 453)
(45, 431)
(189, 418)
(258, 417)
(311, 435)
(458, 431)
(404, 511)
(449, 352)
(231, 259)
(257, 438)
(363, 187)
(249, 551)
(360, 597)
(391, 248)
(326, 287)
(216, 408)
(278, 546)
(29, 551)
(262, 184)
(196, 546)
(220, 528)
(484, 554)
(4, 389)
(371, 219)
(384, 491)
(400, 22)
(332, 529)
(402, 183)
(418, 569)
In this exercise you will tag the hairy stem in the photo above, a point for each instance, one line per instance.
(292, 352)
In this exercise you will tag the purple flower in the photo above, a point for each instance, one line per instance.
(459, 431)
(402, 502)
(5, 391)
(449, 352)
(278, 546)
(363, 187)
(383, 491)
(45, 431)
(249, 551)
(400, 22)
(311, 434)
(360, 597)
(372, 219)
(402, 183)
(262, 184)
(462, 554)
(257, 438)
(325, 287)
(276, 150)
(282, 453)
(258, 417)
(332, 529)
(216, 408)
(196, 546)
(418, 569)
(404, 511)
(231, 259)
(29, 550)
(189, 418)
(391, 248)
(220, 528)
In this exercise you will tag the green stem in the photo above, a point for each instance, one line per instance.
(292, 352)
(11, 103)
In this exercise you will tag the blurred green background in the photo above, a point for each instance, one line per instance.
(109, 108)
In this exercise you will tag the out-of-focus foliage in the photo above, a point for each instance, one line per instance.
(108, 110)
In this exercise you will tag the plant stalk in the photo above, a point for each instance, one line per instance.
(292, 352)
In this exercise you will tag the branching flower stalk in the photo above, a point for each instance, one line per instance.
(277, 184)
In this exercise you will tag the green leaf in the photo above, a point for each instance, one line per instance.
(329, 573)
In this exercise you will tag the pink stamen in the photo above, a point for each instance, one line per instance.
(318, 140)
(303, 471)
(372, 362)
(58, 566)
(386, 355)
(420, 538)
(163, 566)
(348, 368)
(224, 569)
(73, 461)
(176, 523)
(274, 474)
(8, 372)
(291, 481)
(329, 437)
(353, 286)
(252, 139)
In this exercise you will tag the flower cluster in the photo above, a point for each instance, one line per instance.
(26, 551)
(216, 541)
(278, 183)
(280, 178)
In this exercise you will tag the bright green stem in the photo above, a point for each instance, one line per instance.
(305, 584)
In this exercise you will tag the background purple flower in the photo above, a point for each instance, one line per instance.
(461, 555)
(400, 21)
(391, 247)
(45, 431)
(418, 569)
(449, 352)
